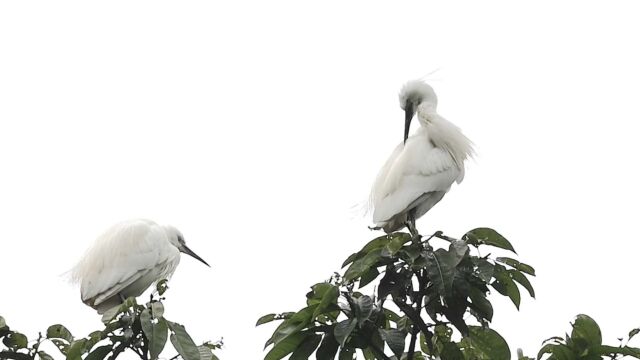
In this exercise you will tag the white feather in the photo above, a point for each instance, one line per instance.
(125, 261)
(419, 172)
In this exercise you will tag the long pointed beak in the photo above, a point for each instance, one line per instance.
(189, 252)
(408, 115)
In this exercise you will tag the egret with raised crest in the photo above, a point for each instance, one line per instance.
(126, 260)
(422, 168)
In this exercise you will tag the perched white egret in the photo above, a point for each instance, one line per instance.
(423, 167)
(126, 260)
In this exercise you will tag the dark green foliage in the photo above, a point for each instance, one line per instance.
(433, 289)
(142, 329)
(584, 343)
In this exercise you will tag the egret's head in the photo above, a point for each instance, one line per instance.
(177, 239)
(412, 94)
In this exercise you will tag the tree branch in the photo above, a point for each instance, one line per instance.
(412, 343)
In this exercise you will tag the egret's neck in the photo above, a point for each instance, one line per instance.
(426, 113)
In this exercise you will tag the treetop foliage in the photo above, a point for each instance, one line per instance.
(428, 302)
(142, 329)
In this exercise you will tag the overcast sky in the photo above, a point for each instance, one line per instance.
(257, 127)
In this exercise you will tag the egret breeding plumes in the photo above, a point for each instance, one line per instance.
(126, 260)
(423, 167)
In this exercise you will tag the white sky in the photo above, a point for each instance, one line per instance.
(255, 127)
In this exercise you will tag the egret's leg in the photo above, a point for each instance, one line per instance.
(411, 225)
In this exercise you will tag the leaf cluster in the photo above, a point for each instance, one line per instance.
(436, 291)
(584, 343)
(143, 329)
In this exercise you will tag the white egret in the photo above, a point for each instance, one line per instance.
(126, 260)
(423, 167)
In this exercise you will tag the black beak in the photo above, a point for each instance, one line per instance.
(188, 251)
(408, 115)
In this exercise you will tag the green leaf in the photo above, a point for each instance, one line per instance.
(481, 304)
(390, 315)
(451, 351)
(62, 345)
(76, 349)
(487, 236)
(265, 319)
(484, 270)
(295, 323)
(182, 342)
(586, 328)
(346, 354)
(2, 322)
(547, 349)
(328, 347)
(59, 332)
(343, 329)
(330, 296)
(157, 309)
(364, 307)
(522, 280)
(458, 250)
(361, 266)
(517, 265)
(505, 285)
(368, 277)
(15, 341)
(527, 269)
(621, 350)
(111, 314)
(14, 355)
(440, 268)
(633, 333)
(99, 353)
(489, 343)
(395, 339)
(156, 332)
(374, 244)
(205, 353)
(286, 346)
(307, 347)
(93, 339)
(162, 287)
(44, 356)
(396, 243)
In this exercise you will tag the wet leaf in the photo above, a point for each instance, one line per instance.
(59, 332)
(285, 347)
(182, 342)
(395, 339)
(586, 328)
(266, 319)
(99, 353)
(307, 347)
(486, 236)
(489, 343)
(343, 329)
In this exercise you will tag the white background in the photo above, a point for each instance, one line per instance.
(257, 127)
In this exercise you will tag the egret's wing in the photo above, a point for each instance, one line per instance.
(416, 169)
(126, 253)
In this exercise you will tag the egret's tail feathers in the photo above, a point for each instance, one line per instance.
(360, 209)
